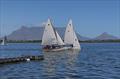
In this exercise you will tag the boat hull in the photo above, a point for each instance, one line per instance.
(59, 48)
(56, 49)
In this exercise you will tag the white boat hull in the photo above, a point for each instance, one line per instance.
(56, 49)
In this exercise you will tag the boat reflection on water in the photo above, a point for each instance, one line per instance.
(57, 62)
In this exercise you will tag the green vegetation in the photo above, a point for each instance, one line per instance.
(24, 41)
(87, 41)
(101, 41)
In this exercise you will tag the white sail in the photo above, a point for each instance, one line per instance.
(60, 41)
(49, 36)
(3, 42)
(70, 36)
(76, 44)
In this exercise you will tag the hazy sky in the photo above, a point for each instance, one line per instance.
(90, 17)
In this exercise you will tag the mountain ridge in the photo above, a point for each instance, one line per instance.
(105, 36)
(35, 33)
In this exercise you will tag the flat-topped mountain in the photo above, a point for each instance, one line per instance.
(35, 33)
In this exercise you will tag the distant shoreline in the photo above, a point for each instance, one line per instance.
(87, 41)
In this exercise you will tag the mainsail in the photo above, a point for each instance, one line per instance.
(50, 35)
(70, 36)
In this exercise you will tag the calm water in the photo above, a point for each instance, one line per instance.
(94, 61)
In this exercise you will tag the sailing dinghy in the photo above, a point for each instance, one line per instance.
(4, 41)
(70, 38)
(51, 40)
